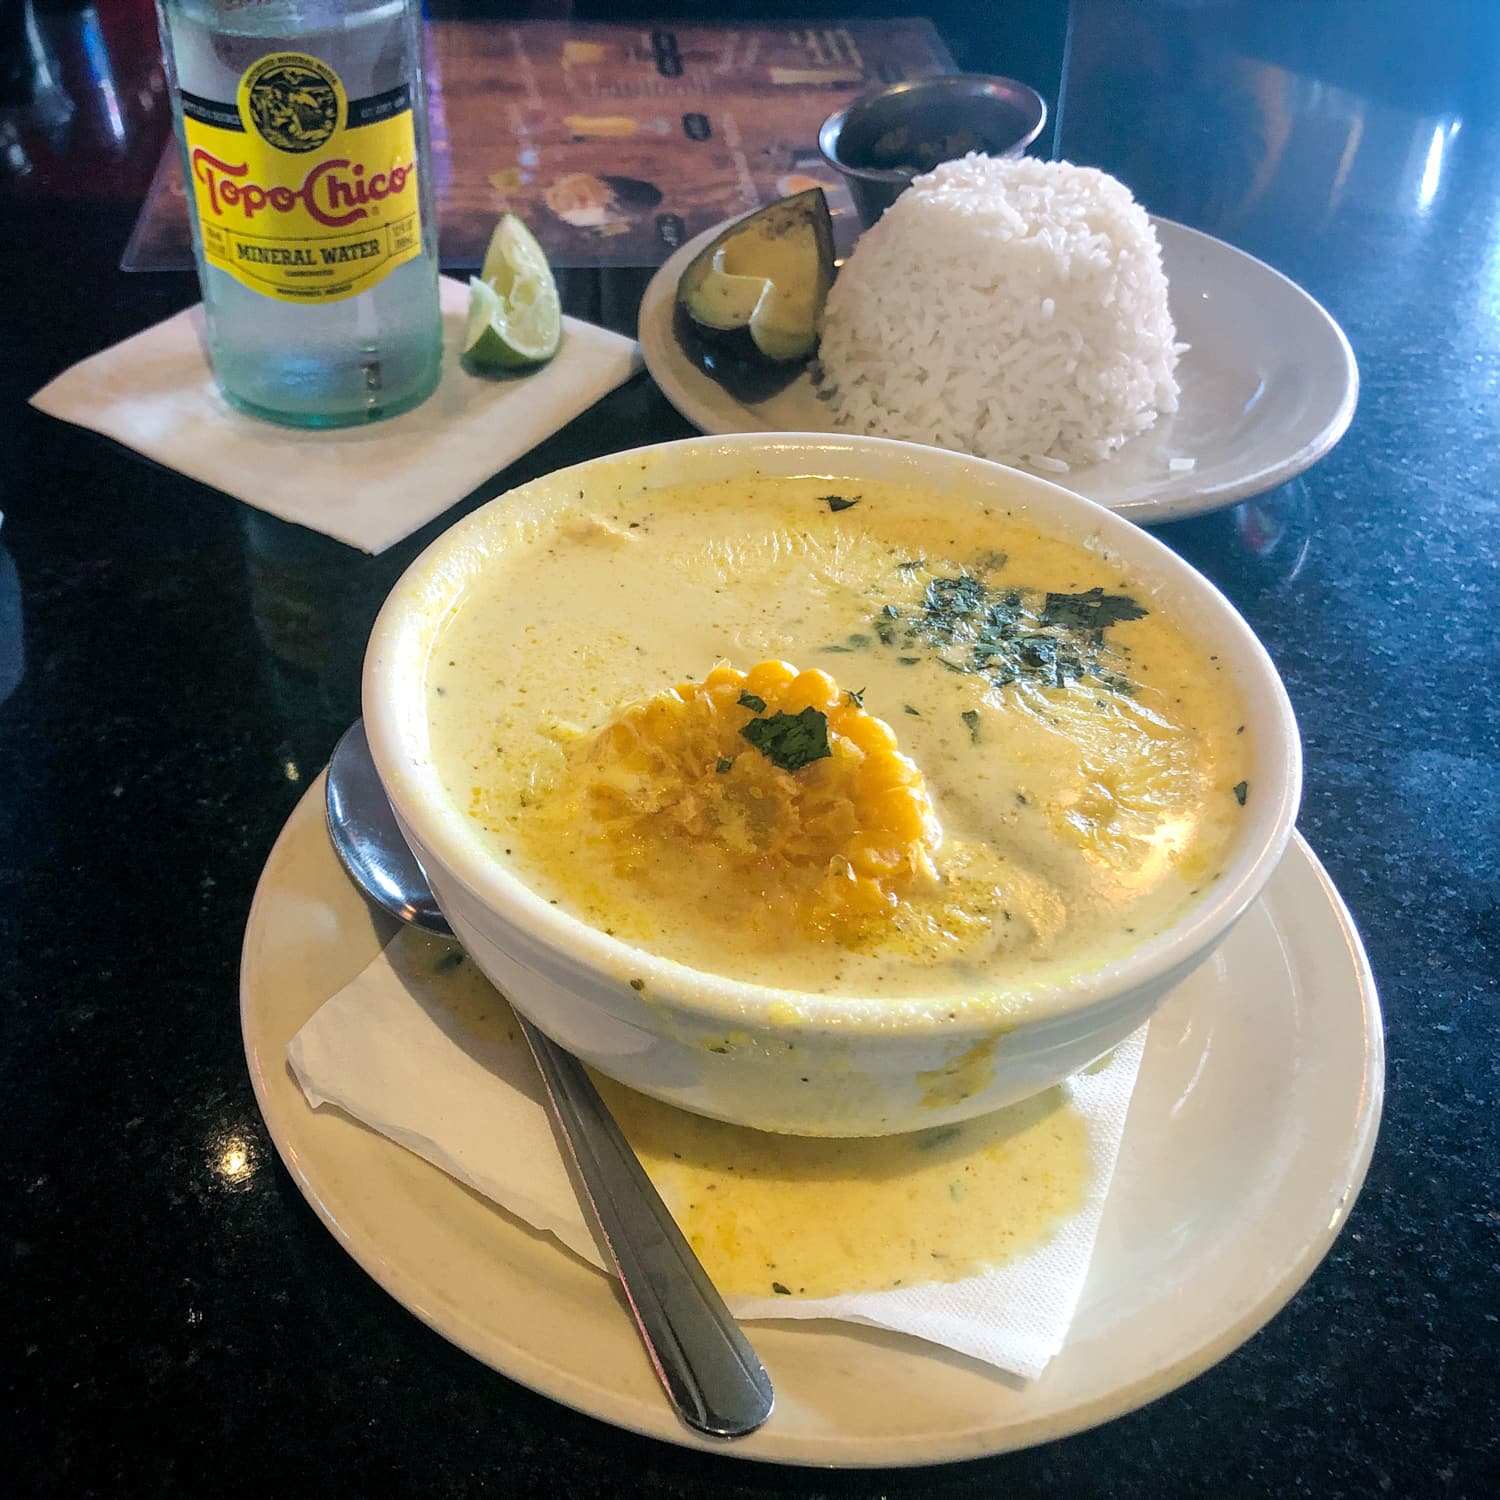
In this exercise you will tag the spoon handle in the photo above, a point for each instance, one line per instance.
(704, 1362)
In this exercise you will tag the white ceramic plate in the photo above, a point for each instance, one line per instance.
(1248, 1138)
(1268, 386)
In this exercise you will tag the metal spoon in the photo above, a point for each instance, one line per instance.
(705, 1363)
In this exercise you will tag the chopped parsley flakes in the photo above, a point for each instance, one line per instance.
(1011, 634)
(1091, 610)
(790, 741)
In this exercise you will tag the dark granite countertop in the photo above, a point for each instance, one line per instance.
(174, 669)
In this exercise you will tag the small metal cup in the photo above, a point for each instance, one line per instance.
(1001, 114)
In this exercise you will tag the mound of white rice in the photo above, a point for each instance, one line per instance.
(1012, 309)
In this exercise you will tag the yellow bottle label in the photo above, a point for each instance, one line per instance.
(302, 193)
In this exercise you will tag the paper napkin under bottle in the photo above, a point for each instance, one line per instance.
(369, 485)
(405, 1049)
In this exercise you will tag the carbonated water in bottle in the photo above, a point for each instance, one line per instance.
(303, 127)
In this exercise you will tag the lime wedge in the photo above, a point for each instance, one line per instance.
(514, 315)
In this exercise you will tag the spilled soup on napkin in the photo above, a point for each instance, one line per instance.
(794, 1216)
(869, 742)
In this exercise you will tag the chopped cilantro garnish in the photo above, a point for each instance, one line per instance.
(836, 503)
(891, 612)
(964, 595)
(857, 641)
(1241, 791)
(916, 713)
(1009, 635)
(754, 704)
(724, 764)
(1091, 610)
(970, 716)
(790, 741)
(856, 697)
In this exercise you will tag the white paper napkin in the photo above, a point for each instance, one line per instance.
(417, 1048)
(368, 486)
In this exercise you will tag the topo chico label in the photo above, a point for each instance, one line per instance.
(302, 193)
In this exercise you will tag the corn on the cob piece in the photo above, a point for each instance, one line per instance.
(844, 835)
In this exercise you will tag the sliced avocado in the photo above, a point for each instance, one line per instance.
(749, 304)
(749, 380)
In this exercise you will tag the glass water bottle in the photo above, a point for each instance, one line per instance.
(303, 128)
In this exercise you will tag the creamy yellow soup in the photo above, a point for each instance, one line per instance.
(1083, 762)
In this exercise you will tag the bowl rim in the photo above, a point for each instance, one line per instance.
(832, 128)
(588, 956)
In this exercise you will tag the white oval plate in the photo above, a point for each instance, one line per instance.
(1248, 1138)
(1269, 384)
